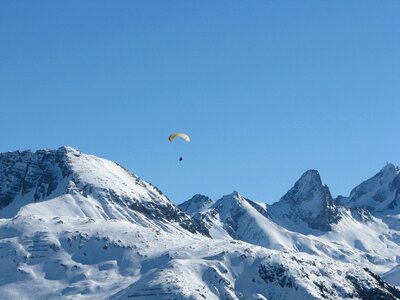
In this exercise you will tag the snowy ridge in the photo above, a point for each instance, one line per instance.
(379, 193)
(76, 184)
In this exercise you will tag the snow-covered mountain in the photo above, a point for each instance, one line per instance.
(380, 195)
(76, 226)
(355, 238)
(78, 185)
(306, 219)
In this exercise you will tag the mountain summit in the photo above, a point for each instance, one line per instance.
(379, 193)
(84, 185)
(308, 203)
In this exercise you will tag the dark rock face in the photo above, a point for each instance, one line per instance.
(23, 171)
(361, 215)
(326, 218)
(366, 284)
(276, 273)
(381, 290)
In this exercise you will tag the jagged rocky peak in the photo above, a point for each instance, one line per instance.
(198, 198)
(38, 173)
(308, 182)
(309, 188)
(379, 193)
(390, 168)
(309, 201)
(388, 174)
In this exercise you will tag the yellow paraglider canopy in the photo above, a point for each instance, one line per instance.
(181, 135)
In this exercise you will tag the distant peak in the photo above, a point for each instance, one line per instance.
(311, 172)
(232, 197)
(306, 188)
(235, 194)
(200, 198)
(196, 204)
(390, 168)
(310, 176)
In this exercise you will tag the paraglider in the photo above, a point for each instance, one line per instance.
(183, 136)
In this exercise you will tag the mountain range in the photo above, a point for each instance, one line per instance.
(75, 226)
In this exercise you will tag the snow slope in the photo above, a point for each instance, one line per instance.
(354, 235)
(82, 258)
(75, 226)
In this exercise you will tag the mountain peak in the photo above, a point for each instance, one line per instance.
(310, 177)
(310, 201)
(95, 188)
(199, 198)
(196, 204)
(378, 193)
(234, 195)
(308, 187)
(390, 170)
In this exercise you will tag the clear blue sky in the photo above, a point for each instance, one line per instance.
(266, 89)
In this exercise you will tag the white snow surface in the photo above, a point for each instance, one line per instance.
(83, 258)
(370, 243)
(105, 174)
(82, 227)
